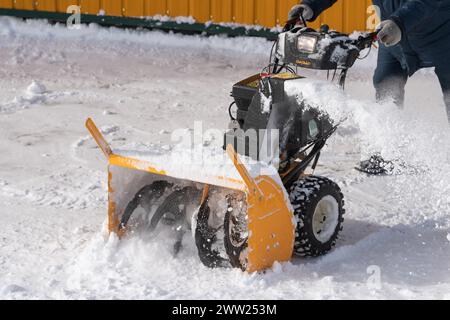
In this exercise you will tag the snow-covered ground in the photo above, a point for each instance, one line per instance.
(141, 86)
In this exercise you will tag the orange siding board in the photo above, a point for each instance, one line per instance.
(45, 5)
(200, 10)
(62, 5)
(244, 11)
(90, 6)
(176, 8)
(222, 10)
(249, 11)
(155, 7)
(217, 13)
(354, 15)
(133, 8)
(284, 7)
(238, 11)
(28, 5)
(7, 4)
(23, 4)
(266, 13)
(227, 10)
(345, 15)
(18, 4)
(112, 7)
(333, 16)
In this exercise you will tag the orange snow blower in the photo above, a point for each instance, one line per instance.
(250, 215)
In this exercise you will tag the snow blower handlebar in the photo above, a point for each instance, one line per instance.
(365, 41)
(290, 24)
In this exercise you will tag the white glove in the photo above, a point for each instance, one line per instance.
(295, 12)
(390, 33)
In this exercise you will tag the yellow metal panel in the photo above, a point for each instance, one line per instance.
(244, 11)
(238, 11)
(221, 10)
(23, 4)
(266, 13)
(18, 4)
(333, 16)
(45, 5)
(176, 8)
(62, 5)
(200, 10)
(155, 7)
(90, 6)
(133, 8)
(6, 4)
(284, 6)
(112, 7)
(227, 10)
(354, 17)
(346, 15)
(249, 11)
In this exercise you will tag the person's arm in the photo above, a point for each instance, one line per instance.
(318, 6)
(413, 13)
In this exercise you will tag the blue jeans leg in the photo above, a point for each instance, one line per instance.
(390, 78)
(443, 73)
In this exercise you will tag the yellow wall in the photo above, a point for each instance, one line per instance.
(346, 15)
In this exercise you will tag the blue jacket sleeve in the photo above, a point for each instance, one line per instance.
(318, 6)
(414, 12)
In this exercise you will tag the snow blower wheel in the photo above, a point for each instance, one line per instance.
(319, 209)
(236, 230)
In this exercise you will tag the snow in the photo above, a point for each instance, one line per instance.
(138, 84)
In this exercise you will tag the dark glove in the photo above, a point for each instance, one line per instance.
(297, 9)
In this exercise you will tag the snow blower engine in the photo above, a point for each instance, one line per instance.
(247, 214)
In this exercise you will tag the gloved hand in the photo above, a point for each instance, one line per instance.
(390, 33)
(296, 10)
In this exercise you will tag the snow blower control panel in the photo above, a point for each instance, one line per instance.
(321, 49)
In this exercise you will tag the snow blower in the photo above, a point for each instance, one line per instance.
(247, 216)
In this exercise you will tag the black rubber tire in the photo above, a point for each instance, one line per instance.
(304, 195)
(233, 251)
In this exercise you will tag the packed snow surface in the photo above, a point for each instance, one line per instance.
(141, 88)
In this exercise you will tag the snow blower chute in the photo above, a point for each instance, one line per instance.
(241, 215)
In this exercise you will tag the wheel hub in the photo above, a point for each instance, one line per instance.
(325, 218)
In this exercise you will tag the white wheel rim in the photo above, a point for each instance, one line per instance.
(325, 219)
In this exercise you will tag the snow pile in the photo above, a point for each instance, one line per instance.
(35, 94)
(116, 39)
(179, 20)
